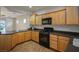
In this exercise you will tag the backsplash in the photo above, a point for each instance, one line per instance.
(68, 28)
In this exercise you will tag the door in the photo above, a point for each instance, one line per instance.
(72, 15)
(27, 36)
(62, 43)
(38, 20)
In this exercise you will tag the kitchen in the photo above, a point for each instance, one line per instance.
(39, 29)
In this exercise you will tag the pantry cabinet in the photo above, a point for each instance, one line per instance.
(72, 16)
(38, 20)
(35, 36)
(59, 43)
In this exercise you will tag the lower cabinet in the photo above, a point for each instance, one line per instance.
(5, 42)
(59, 43)
(53, 41)
(27, 35)
(20, 37)
(14, 39)
(35, 36)
(63, 43)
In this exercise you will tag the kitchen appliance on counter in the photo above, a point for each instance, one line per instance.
(47, 21)
(44, 36)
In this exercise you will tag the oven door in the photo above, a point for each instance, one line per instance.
(44, 40)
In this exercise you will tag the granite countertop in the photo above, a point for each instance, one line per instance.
(68, 34)
(13, 32)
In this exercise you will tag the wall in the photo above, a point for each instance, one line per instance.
(22, 24)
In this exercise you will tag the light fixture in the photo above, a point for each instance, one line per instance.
(30, 6)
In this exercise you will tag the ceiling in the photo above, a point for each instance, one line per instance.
(13, 11)
(26, 8)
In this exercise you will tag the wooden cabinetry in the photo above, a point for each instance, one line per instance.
(59, 17)
(33, 19)
(14, 39)
(27, 36)
(2, 43)
(35, 36)
(5, 42)
(59, 43)
(72, 15)
(53, 41)
(20, 37)
(38, 20)
(62, 43)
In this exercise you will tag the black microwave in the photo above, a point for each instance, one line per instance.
(46, 21)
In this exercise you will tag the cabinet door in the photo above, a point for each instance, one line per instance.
(8, 42)
(32, 19)
(58, 17)
(55, 18)
(35, 36)
(53, 41)
(39, 20)
(62, 43)
(62, 17)
(1, 43)
(20, 37)
(72, 15)
(27, 36)
(14, 39)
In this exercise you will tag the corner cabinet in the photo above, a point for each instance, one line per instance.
(72, 15)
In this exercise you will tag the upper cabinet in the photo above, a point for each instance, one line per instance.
(32, 19)
(38, 20)
(72, 15)
(66, 16)
(59, 17)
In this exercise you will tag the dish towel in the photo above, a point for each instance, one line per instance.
(76, 42)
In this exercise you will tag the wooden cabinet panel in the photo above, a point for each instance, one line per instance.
(14, 39)
(62, 43)
(32, 19)
(38, 20)
(20, 37)
(5, 42)
(1, 43)
(59, 17)
(35, 36)
(8, 42)
(72, 15)
(53, 41)
(27, 36)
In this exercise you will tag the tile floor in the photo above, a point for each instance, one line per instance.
(30, 46)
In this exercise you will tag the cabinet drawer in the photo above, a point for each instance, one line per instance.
(53, 36)
(53, 39)
(54, 46)
(64, 38)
